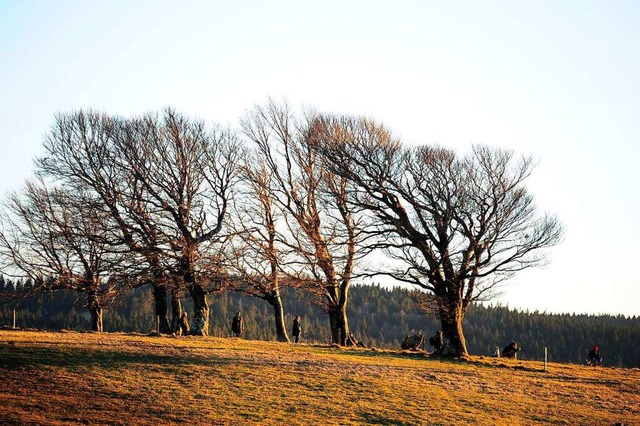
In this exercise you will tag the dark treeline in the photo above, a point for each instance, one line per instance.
(379, 316)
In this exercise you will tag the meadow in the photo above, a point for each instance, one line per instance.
(56, 378)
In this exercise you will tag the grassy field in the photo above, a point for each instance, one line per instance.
(86, 378)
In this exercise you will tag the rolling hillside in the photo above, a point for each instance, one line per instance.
(57, 378)
(378, 315)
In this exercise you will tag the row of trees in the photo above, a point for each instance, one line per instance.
(287, 201)
(381, 318)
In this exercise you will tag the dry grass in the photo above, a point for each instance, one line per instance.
(86, 378)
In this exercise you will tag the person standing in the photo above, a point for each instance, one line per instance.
(297, 328)
(237, 325)
(183, 328)
(437, 341)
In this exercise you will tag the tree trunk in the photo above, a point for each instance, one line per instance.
(160, 297)
(200, 321)
(333, 324)
(96, 311)
(343, 324)
(339, 324)
(274, 299)
(176, 312)
(451, 318)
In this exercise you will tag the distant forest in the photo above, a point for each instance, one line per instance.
(378, 316)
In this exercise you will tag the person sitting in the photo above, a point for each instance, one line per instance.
(594, 357)
(413, 342)
(352, 341)
(511, 350)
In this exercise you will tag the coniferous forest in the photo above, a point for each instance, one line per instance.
(378, 316)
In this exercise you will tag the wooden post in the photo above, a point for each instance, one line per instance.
(158, 324)
(545, 358)
(14, 318)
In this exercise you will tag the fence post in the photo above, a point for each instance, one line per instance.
(545, 358)
(158, 324)
(14, 318)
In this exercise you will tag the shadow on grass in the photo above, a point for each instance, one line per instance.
(386, 354)
(420, 355)
(19, 357)
(373, 419)
(496, 363)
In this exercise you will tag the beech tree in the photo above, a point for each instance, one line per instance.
(165, 181)
(186, 172)
(454, 225)
(81, 151)
(61, 241)
(322, 229)
(258, 247)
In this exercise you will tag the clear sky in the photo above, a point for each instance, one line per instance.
(559, 80)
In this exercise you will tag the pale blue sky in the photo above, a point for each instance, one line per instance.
(555, 79)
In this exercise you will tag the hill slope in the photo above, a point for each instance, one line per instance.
(380, 316)
(71, 378)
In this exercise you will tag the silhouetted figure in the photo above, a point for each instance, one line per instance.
(437, 341)
(183, 326)
(352, 341)
(237, 325)
(413, 342)
(594, 357)
(511, 350)
(297, 328)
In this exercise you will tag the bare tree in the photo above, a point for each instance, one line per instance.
(82, 153)
(456, 225)
(259, 249)
(322, 229)
(165, 180)
(61, 241)
(186, 173)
